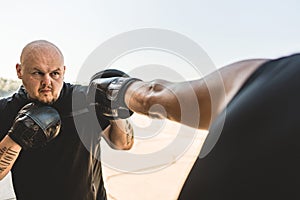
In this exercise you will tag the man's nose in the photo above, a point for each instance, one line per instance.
(46, 80)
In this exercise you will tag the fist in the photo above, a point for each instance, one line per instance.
(35, 125)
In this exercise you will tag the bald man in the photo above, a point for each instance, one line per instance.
(67, 165)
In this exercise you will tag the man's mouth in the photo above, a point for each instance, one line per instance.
(45, 90)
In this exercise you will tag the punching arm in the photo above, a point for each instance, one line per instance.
(176, 100)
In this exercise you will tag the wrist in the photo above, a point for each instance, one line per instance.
(121, 134)
(131, 92)
(12, 144)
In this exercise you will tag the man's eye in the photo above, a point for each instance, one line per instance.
(37, 73)
(55, 75)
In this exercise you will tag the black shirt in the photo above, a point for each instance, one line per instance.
(257, 155)
(68, 167)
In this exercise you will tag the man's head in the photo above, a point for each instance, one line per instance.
(42, 70)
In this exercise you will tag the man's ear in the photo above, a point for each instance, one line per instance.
(19, 70)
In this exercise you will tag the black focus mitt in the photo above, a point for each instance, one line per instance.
(106, 92)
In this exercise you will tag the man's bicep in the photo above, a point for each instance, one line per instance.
(234, 75)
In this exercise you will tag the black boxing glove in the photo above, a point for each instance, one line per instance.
(106, 92)
(35, 125)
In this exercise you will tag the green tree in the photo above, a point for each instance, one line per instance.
(8, 86)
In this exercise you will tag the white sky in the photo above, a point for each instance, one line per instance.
(227, 30)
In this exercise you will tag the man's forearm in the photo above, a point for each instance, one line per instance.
(119, 135)
(9, 151)
(194, 103)
(182, 102)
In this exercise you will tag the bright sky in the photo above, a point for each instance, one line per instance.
(227, 30)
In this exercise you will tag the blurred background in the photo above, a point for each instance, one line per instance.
(227, 31)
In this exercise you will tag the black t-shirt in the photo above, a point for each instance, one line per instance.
(67, 168)
(257, 155)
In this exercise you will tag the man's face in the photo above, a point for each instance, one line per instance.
(42, 76)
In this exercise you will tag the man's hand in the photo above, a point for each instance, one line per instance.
(35, 125)
(107, 91)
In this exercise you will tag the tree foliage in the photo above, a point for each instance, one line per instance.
(8, 86)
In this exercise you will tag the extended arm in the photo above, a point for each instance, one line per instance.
(175, 101)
